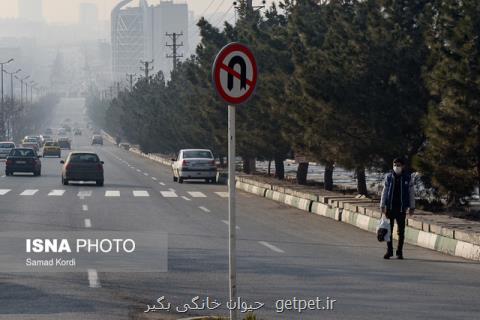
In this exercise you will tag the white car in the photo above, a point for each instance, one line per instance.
(5, 148)
(194, 164)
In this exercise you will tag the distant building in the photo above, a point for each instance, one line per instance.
(88, 15)
(139, 33)
(31, 10)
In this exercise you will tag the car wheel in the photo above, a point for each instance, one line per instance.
(65, 182)
(100, 183)
(174, 179)
(180, 180)
(39, 173)
(7, 173)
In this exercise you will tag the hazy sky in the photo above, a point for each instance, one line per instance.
(66, 11)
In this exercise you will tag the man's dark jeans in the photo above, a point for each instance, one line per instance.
(399, 217)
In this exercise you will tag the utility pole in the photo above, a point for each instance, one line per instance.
(174, 56)
(2, 116)
(146, 67)
(130, 79)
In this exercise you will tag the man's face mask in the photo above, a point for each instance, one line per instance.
(397, 168)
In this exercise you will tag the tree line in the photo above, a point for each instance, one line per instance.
(345, 83)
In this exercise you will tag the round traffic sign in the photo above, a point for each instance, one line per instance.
(235, 73)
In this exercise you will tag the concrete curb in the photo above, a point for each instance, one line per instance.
(357, 212)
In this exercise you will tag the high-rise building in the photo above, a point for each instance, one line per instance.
(139, 33)
(31, 10)
(88, 14)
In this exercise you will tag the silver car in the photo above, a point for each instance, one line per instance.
(5, 148)
(194, 164)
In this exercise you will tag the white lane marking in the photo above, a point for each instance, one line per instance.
(140, 193)
(271, 246)
(154, 179)
(84, 207)
(168, 194)
(138, 170)
(4, 191)
(84, 193)
(222, 194)
(161, 183)
(228, 223)
(112, 193)
(196, 194)
(29, 192)
(145, 174)
(204, 209)
(56, 193)
(93, 281)
(3, 176)
(186, 198)
(171, 189)
(88, 223)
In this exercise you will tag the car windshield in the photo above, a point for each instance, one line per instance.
(51, 144)
(197, 154)
(22, 153)
(7, 145)
(84, 158)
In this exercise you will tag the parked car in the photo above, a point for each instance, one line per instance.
(64, 143)
(52, 148)
(61, 132)
(82, 166)
(97, 139)
(5, 148)
(194, 164)
(48, 131)
(23, 160)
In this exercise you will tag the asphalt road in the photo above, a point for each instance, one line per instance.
(282, 252)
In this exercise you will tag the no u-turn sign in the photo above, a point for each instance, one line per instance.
(235, 73)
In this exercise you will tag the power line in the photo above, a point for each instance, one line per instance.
(201, 15)
(216, 10)
(223, 16)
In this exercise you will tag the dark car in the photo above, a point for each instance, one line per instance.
(97, 139)
(64, 143)
(77, 132)
(82, 166)
(23, 160)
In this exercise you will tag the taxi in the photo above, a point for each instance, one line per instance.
(52, 148)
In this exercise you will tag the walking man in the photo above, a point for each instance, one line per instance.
(398, 198)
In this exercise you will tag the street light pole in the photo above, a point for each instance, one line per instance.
(2, 111)
(12, 100)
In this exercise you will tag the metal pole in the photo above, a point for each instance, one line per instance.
(2, 118)
(231, 211)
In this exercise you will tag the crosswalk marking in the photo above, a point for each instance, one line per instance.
(4, 191)
(169, 194)
(161, 183)
(112, 193)
(140, 193)
(29, 192)
(154, 179)
(56, 193)
(84, 193)
(145, 174)
(138, 170)
(186, 198)
(222, 194)
(196, 194)
(88, 223)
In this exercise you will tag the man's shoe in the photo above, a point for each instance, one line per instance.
(388, 255)
(399, 255)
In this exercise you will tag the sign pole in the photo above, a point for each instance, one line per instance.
(231, 211)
